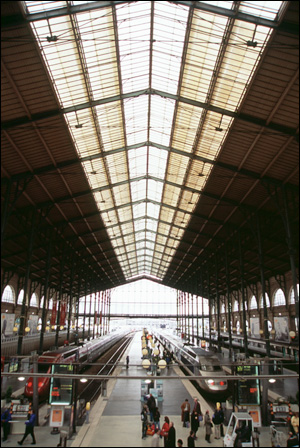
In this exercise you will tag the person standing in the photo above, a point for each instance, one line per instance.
(195, 416)
(144, 419)
(151, 403)
(29, 428)
(127, 362)
(208, 425)
(185, 412)
(255, 437)
(295, 423)
(179, 442)
(87, 412)
(218, 419)
(191, 439)
(5, 419)
(165, 430)
(156, 417)
(171, 440)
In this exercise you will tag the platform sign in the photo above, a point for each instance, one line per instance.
(248, 391)
(61, 388)
(57, 416)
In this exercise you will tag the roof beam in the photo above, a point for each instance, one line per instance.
(236, 115)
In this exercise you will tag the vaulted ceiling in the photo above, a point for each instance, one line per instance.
(149, 140)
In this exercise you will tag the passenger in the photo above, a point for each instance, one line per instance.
(156, 417)
(218, 419)
(165, 430)
(171, 440)
(155, 438)
(127, 362)
(144, 419)
(5, 419)
(185, 413)
(208, 425)
(243, 434)
(179, 442)
(295, 423)
(87, 412)
(29, 428)
(191, 439)
(151, 403)
(195, 416)
(255, 437)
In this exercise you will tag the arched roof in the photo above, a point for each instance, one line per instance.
(146, 138)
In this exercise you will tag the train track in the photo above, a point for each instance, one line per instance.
(105, 365)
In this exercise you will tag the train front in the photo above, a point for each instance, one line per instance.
(218, 383)
(44, 366)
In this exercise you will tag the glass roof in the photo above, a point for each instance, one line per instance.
(140, 83)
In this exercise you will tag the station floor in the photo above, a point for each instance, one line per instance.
(114, 420)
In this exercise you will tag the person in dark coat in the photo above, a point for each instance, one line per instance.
(218, 419)
(5, 419)
(195, 416)
(171, 440)
(151, 403)
(144, 419)
(29, 428)
(191, 439)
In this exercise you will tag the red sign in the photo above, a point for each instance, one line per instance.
(62, 313)
(54, 313)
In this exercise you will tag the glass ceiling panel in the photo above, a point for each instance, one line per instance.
(101, 55)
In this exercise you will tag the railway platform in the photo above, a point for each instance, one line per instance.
(114, 420)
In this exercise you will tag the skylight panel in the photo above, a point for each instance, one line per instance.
(137, 159)
(161, 118)
(265, 9)
(157, 162)
(136, 119)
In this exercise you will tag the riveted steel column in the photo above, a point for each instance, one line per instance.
(84, 312)
(229, 305)
(90, 311)
(177, 310)
(243, 296)
(109, 305)
(209, 307)
(182, 311)
(26, 282)
(61, 274)
(218, 304)
(46, 291)
(192, 300)
(77, 303)
(71, 295)
(292, 252)
(263, 288)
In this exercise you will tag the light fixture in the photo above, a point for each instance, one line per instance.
(61, 327)
(210, 381)
(147, 381)
(146, 363)
(162, 363)
(145, 351)
(47, 328)
(21, 378)
(292, 334)
(27, 329)
(83, 380)
(156, 351)
(272, 380)
(15, 329)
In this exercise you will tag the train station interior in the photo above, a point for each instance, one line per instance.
(150, 222)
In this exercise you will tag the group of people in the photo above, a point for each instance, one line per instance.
(29, 426)
(194, 416)
(191, 416)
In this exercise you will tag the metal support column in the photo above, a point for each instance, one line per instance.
(60, 294)
(209, 307)
(229, 305)
(46, 292)
(243, 297)
(5, 212)
(218, 305)
(263, 288)
(26, 282)
(71, 295)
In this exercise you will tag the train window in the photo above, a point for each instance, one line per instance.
(68, 354)
(43, 368)
(210, 368)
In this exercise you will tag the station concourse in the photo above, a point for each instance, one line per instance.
(149, 179)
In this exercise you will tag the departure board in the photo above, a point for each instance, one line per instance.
(61, 388)
(248, 391)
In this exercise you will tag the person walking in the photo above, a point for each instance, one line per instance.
(185, 412)
(29, 428)
(5, 419)
(87, 412)
(208, 425)
(165, 430)
(255, 437)
(191, 439)
(127, 362)
(144, 419)
(171, 440)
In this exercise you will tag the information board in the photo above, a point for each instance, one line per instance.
(248, 391)
(61, 388)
